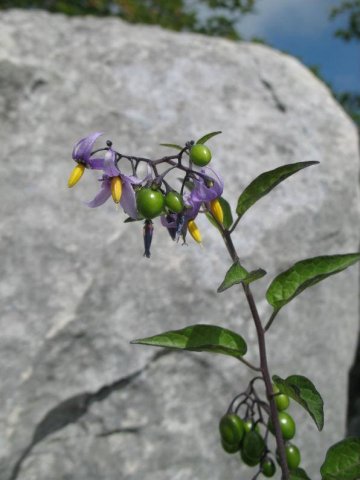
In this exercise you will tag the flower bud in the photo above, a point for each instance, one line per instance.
(194, 231)
(148, 233)
(216, 210)
(116, 189)
(76, 174)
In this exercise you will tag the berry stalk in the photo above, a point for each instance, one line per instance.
(263, 360)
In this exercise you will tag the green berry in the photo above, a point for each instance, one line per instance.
(287, 426)
(230, 448)
(174, 202)
(250, 425)
(252, 448)
(200, 154)
(282, 401)
(268, 468)
(293, 456)
(251, 462)
(231, 429)
(150, 203)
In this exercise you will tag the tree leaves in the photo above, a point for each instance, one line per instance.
(304, 274)
(238, 274)
(199, 338)
(265, 182)
(303, 391)
(342, 461)
(207, 137)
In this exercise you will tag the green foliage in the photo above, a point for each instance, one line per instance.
(350, 101)
(264, 183)
(303, 391)
(179, 15)
(228, 218)
(304, 274)
(207, 137)
(352, 10)
(237, 274)
(298, 474)
(342, 461)
(172, 145)
(199, 338)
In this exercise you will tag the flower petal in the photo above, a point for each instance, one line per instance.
(128, 198)
(134, 180)
(82, 149)
(96, 163)
(110, 168)
(217, 179)
(168, 221)
(102, 196)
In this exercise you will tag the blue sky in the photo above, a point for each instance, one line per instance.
(303, 29)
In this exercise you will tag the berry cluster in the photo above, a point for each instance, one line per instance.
(248, 433)
(152, 196)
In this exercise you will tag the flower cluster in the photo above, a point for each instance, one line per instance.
(152, 196)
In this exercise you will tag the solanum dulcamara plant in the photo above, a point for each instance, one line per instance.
(256, 425)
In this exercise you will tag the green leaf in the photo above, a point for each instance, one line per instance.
(237, 274)
(265, 182)
(342, 461)
(172, 145)
(298, 474)
(228, 218)
(200, 338)
(207, 137)
(304, 274)
(303, 391)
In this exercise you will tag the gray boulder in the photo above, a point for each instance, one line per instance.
(78, 402)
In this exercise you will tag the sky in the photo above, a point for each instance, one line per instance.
(303, 29)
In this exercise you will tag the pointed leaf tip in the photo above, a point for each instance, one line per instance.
(199, 338)
(303, 391)
(207, 137)
(264, 183)
(304, 274)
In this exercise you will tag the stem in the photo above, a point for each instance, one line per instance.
(250, 365)
(271, 319)
(263, 361)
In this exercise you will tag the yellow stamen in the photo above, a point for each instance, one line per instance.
(194, 231)
(76, 174)
(116, 189)
(216, 210)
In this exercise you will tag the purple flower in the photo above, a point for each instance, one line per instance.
(111, 171)
(82, 150)
(206, 188)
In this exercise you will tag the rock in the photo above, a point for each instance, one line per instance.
(77, 400)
